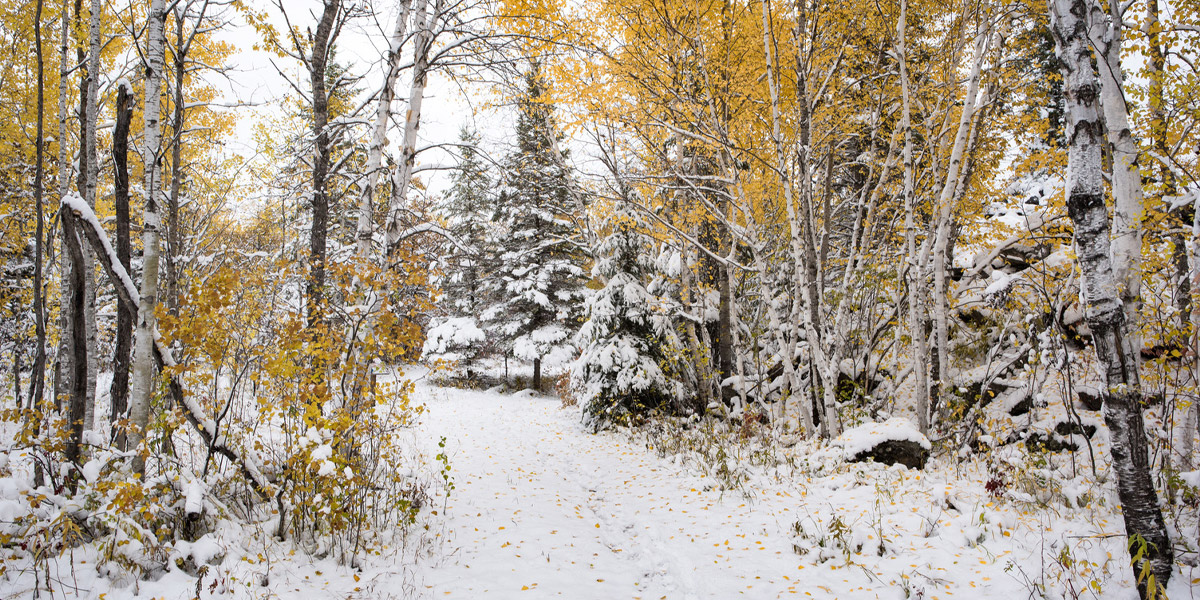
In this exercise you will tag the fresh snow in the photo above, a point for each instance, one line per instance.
(856, 440)
(542, 509)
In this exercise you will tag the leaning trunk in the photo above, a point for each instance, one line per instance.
(1144, 524)
(423, 25)
(383, 115)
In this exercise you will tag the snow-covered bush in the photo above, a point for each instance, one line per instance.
(624, 368)
(455, 340)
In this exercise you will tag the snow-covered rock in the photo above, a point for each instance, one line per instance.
(895, 441)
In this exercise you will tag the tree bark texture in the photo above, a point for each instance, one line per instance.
(119, 390)
(1105, 310)
(143, 383)
(318, 62)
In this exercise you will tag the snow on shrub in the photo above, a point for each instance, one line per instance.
(453, 339)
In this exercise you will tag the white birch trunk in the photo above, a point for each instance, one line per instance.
(62, 375)
(1187, 446)
(383, 115)
(423, 26)
(1105, 311)
(920, 362)
(945, 203)
(1105, 33)
(89, 307)
(795, 244)
(143, 381)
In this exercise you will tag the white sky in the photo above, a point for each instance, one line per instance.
(446, 108)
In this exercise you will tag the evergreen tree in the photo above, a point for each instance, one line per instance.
(456, 336)
(468, 210)
(538, 285)
(627, 335)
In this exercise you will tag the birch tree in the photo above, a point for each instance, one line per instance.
(143, 385)
(1144, 524)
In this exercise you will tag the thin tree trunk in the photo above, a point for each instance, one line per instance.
(38, 375)
(423, 26)
(61, 375)
(119, 390)
(537, 375)
(93, 174)
(1144, 522)
(174, 248)
(1158, 134)
(383, 115)
(786, 350)
(143, 383)
(321, 161)
(920, 361)
(945, 203)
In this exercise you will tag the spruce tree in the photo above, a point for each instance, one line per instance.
(538, 285)
(626, 338)
(455, 335)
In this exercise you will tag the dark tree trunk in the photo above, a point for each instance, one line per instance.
(321, 161)
(174, 234)
(77, 406)
(537, 375)
(119, 391)
(1144, 524)
(38, 376)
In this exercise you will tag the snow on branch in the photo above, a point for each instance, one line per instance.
(75, 212)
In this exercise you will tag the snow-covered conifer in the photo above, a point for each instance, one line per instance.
(627, 336)
(538, 285)
(456, 336)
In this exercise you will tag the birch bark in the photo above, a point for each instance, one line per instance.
(383, 115)
(920, 358)
(143, 382)
(93, 172)
(1105, 310)
(786, 350)
(423, 26)
(1105, 31)
(945, 202)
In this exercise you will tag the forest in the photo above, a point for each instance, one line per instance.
(599, 299)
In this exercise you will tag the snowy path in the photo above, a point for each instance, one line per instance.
(541, 506)
(541, 509)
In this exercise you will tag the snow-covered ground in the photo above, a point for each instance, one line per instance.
(539, 508)
(542, 509)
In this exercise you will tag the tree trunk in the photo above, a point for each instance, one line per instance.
(383, 115)
(1144, 522)
(423, 26)
(537, 375)
(321, 161)
(93, 174)
(786, 348)
(174, 248)
(119, 390)
(143, 383)
(62, 375)
(946, 201)
(38, 375)
(1104, 30)
(916, 328)
(74, 307)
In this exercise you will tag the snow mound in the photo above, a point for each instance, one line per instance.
(892, 441)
